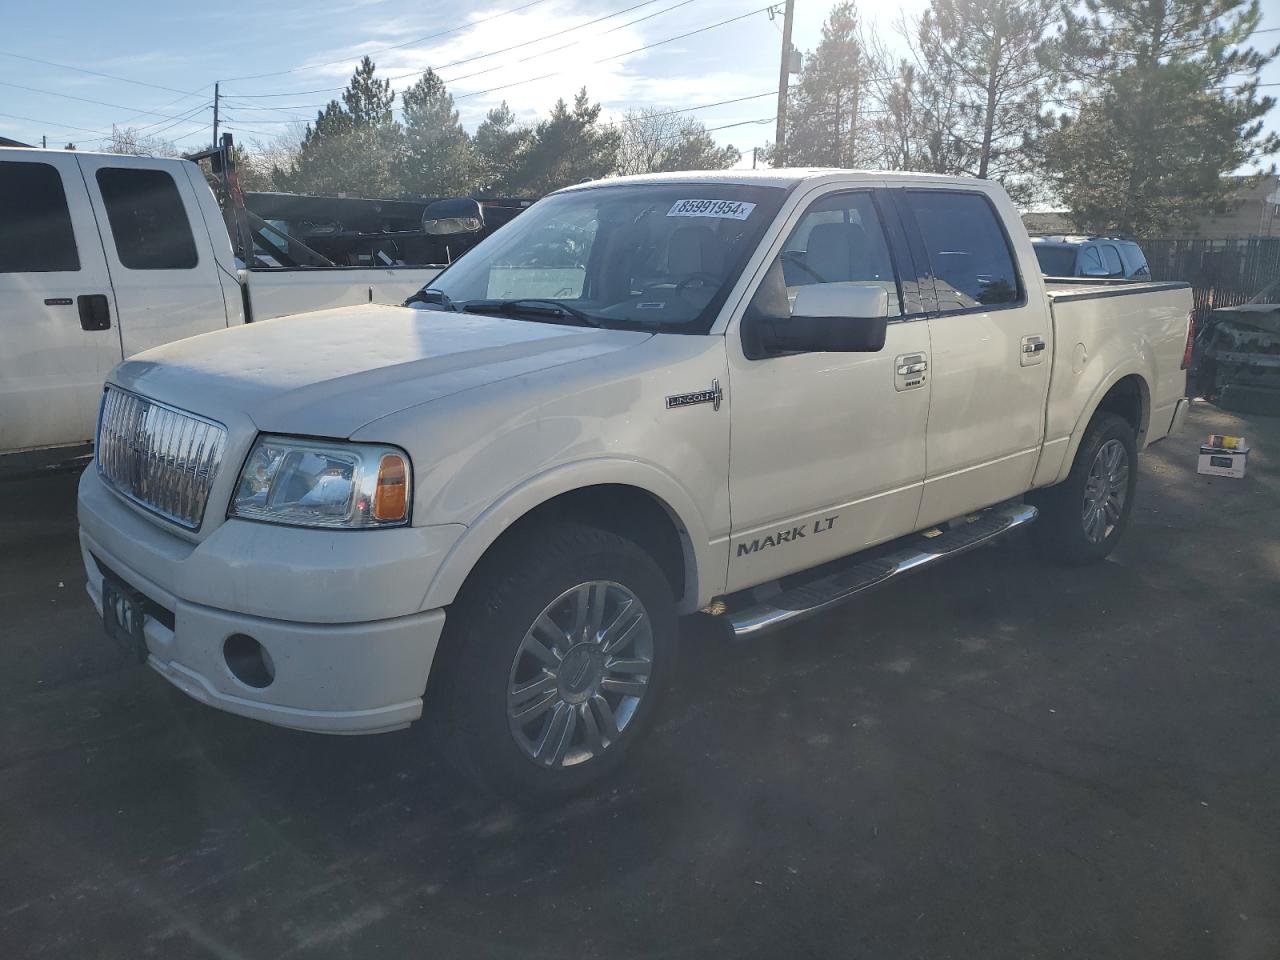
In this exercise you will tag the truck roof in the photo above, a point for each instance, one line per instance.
(782, 177)
(27, 151)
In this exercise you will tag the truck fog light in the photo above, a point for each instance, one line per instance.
(248, 661)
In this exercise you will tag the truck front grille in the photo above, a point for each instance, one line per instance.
(161, 458)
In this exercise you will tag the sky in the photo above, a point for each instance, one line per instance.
(282, 62)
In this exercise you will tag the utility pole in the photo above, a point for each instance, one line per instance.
(784, 73)
(44, 143)
(215, 115)
(754, 152)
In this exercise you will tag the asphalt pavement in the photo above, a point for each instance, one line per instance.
(991, 759)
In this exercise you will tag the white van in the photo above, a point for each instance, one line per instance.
(104, 256)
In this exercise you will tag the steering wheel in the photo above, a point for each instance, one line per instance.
(699, 279)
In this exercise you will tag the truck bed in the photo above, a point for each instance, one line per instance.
(1102, 331)
(277, 293)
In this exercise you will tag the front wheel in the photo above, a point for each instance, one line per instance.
(1083, 518)
(556, 655)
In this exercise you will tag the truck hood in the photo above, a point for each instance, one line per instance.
(331, 372)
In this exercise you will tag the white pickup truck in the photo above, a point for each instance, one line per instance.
(750, 394)
(104, 256)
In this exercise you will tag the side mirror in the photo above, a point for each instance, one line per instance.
(825, 318)
(452, 216)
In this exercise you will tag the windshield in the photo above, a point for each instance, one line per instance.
(635, 256)
(1056, 261)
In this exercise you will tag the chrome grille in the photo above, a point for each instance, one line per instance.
(158, 456)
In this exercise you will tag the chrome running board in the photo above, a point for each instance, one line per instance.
(917, 550)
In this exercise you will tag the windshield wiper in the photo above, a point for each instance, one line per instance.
(533, 308)
(432, 296)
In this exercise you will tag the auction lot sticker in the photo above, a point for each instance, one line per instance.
(722, 209)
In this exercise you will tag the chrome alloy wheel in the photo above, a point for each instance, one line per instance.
(579, 674)
(1105, 491)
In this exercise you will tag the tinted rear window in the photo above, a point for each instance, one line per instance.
(968, 252)
(35, 224)
(147, 218)
(1056, 261)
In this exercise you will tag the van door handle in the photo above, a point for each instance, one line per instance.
(95, 312)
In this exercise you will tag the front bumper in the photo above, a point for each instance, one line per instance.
(333, 673)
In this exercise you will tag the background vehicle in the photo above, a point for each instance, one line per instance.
(1097, 257)
(104, 256)
(1238, 354)
(754, 394)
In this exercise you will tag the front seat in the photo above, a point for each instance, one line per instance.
(834, 251)
(694, 249)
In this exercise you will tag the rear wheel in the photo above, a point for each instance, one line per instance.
(1083, 518)
(556, 655)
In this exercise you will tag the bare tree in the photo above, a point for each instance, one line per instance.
(655, 141)
(132, 142)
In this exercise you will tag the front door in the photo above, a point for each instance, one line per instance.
(58, 333)
(163, 270)
(990, 355)
(827, 449)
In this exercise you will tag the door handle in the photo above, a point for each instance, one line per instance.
(1032, 350)
(909, 371)
(95, 312)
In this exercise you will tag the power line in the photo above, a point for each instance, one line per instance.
(616, 56)
(533, 56)
(182, 120)
(565, 46)
(394, 46)
(96, 73)
(560, 33)
(54, 123)
(100, 103)
(621, 122)
(482, 56)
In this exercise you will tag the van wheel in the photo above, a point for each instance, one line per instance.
(555, 657)
(1083, 518)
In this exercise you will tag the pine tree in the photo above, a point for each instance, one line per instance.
(1168, 109)
(569, 146)
(828, 123)
(353, 145)
(998, 61)
(437, 159)
(499, 145)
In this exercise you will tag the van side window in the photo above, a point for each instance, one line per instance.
(35, 224)
(968, 252)
(147, 219)
(1111, 257)
(839, 239)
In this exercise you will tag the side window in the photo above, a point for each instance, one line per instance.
(968, 253)
(1091, 263)
(1111, 259)
(35, 224)
(147, 219)
(839, 239)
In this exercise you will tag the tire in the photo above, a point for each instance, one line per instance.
(501, 643)
(1083, 518)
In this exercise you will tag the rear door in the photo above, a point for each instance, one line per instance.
(158, 251)
(58, 336)
(989, 344)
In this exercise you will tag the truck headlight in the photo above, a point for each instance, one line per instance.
(312, 483)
